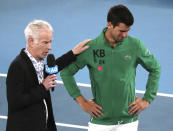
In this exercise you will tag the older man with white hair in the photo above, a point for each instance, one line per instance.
(29, 101)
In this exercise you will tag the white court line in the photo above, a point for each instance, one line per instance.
(88, 85)
(58, 124)
(3, 75)
(3, 117)
(72, 126)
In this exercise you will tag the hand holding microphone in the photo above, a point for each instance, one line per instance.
(51, 69)
(49, 82)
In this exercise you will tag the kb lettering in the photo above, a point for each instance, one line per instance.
(99, 53)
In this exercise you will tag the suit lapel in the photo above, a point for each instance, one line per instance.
(30, 66)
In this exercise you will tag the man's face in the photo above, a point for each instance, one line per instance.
(43, 45)
(118, 33)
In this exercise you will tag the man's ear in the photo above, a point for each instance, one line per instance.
(109, 24)
(30, 41)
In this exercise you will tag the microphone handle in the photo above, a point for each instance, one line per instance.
(53, 88)
(51, 71)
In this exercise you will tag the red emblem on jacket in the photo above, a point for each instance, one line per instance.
(99, 68)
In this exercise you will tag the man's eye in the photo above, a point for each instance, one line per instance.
(45, 42)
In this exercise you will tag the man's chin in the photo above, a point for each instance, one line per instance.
(120, 40)
(42, 58)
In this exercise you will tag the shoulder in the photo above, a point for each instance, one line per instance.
(95, 43)
(16, 61)
(16, 66)
(133, 42)
(19, 62)
(15, 69)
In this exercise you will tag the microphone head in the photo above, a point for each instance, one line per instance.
(50, 60)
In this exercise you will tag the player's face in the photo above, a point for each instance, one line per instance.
(118, 33)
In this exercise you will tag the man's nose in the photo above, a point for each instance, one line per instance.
(49, 46)
(124, 34)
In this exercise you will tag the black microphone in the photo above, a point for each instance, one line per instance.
(51, 67)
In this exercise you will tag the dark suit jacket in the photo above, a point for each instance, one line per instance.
(26, 110)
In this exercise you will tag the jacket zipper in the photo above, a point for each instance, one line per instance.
(112, 79)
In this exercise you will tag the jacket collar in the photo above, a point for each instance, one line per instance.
(30, 65)
(102, 35)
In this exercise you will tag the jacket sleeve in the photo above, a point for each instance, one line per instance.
(67, 74)
(149, 62)
(65, 60)
(18, 95)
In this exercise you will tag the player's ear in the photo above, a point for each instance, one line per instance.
(109, 24)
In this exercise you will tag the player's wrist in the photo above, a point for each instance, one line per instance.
(80, 100)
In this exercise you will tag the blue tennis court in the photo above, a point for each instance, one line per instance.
(76, 20)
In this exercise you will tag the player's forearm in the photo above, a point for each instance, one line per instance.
(80, 100)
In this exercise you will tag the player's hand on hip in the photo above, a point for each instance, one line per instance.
(137, 106)
(90, 107)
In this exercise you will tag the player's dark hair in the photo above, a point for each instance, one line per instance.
(120, 14)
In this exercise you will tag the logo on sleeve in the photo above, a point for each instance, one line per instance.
(147, 53)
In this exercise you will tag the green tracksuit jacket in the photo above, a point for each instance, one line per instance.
(112, 73)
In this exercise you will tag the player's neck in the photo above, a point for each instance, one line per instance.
(109, 39)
